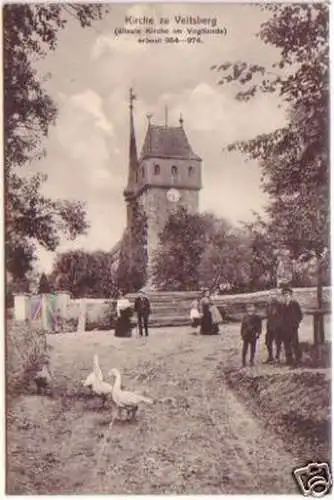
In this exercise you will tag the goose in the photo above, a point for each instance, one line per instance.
(96, 383)
(126, 400)
(96, 374)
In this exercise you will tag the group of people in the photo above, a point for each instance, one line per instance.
(205, 315)
(283, 316)
(283, 319)
(124, 313)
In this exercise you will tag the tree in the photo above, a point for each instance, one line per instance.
(226, 256)
(132, 267)
(44, 285)
(84, 274)
(32, 217)
(181, 246)
(263, 259)
(30, 32)
(294, 158)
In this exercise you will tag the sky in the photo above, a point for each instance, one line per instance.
(89, 76)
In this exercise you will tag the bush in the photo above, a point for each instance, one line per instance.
(26, 351)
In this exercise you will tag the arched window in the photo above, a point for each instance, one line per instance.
(156, 169)
(190, 171)
(174, 171)
(142, 171)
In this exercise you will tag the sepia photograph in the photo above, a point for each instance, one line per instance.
(167, 248)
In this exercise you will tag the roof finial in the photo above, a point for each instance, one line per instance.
(132, 98)
(166, 116)
(181, 120)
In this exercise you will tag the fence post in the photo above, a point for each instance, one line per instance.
(22, 307)
(45, 311)
(82, 316)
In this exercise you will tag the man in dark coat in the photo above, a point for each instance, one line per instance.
(251, 327)
(274, 327)
(143, 310)
(292, 316)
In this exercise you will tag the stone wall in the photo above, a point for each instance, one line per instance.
(173, 308)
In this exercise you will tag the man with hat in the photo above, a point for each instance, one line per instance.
(274, 325)
(143, 310)
(292, 316)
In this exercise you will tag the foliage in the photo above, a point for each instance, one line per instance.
(202, 250)
(26, 351)
(131, 273)
(294, 158)
(181, 246)
(44, 285)
(30, 32)
(84, 274)
(263, 259)
(226, 256)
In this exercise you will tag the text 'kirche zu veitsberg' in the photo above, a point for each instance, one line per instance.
(175, 29)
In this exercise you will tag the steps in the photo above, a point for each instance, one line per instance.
(173, 308)
(169, 308)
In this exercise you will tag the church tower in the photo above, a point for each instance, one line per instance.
(167, 175)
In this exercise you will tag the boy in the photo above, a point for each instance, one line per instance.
(251, 327)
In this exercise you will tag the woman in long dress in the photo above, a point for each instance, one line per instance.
(123, 326)
(206, 318)
(210, 315)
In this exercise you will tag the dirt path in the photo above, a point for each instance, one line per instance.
(196, 438)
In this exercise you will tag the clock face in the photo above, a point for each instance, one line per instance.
(173, 195)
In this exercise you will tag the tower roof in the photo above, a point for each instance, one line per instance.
(167, 142)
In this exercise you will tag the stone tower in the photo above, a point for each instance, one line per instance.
(167, 175)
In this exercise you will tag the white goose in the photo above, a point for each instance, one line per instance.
(96, 373)
(126, 400)
(96, 382)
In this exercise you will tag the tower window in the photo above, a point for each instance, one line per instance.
(190, 171)
(174, 171)
(156, 169)
(142, 171)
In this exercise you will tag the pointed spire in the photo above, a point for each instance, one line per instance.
(181, 120)
(133, 157)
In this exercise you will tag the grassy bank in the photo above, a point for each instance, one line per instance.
(293, 403)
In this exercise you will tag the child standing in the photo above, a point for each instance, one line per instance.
(251, 327)
(195, 316)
